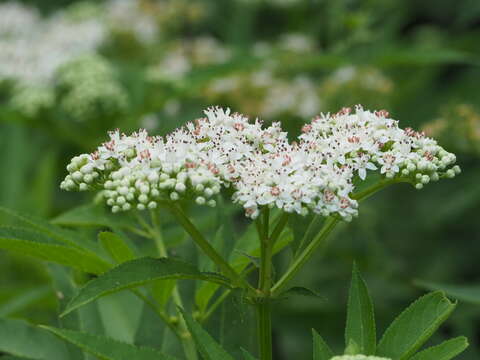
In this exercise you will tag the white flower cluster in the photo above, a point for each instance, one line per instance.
(131, 16)
(270, 95)
(90, 88)
(358, 357)
(183, 56)
(34, 47)
(258, 163)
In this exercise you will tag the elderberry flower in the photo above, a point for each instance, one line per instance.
(358, 357)
(90, 87)
(259, 164)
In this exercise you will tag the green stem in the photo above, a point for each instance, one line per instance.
(327, 228)
(205, 246)
(182, 331)
(277, 230)
(264, 330)
(264, 321)
(204, 317)
(305, 255)
(161, 314)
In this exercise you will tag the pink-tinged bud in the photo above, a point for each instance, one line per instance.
(275, 191)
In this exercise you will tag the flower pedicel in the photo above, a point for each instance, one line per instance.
(223, 149)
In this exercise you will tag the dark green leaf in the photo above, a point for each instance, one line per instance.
(39, 245)
(209, 349)
(139, 272)
(298, 291)
(24, 300)
(247, 355)
(40, 225)
(468, 293)
(360, 327)
(106, 348)
(321, 351)
(414, 326)
(445, 351)
(19, 338)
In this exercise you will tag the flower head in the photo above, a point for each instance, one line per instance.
(317, 173)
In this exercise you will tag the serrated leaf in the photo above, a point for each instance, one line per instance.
(468, 293)
(64, 289)
(39, 245)
(19, 338)
(116, 247)
(321, 351)
(139, 272)
(360, 327)
(106, 348)
(208, 348)
(61, 235)
(247, 355)
(93, 215)
(414, 326)
(444, 351)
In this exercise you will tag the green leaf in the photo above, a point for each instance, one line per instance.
(247, 355)
(116, 247)
(19, 338)
(24, 300)
(36, 244)
(360, 327)
(121, 314)
(209, 349)
(162, 291)
(41, 189)
(106, 348)
(139, 272)
(445, 351)
(298, 291)
(93, 215)
(468, 293)
(62, 235)
(414, 326)
(321, 351)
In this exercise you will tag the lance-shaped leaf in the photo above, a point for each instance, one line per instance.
(208, 348)
(321, 351)
(468, 293)
(19, 338)
(360, 337)
(64, 236)
(39, 245)
(414, 326)
(107, 348)
(139, 272)
(445, 351)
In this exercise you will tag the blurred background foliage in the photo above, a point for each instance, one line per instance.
(71, 70)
